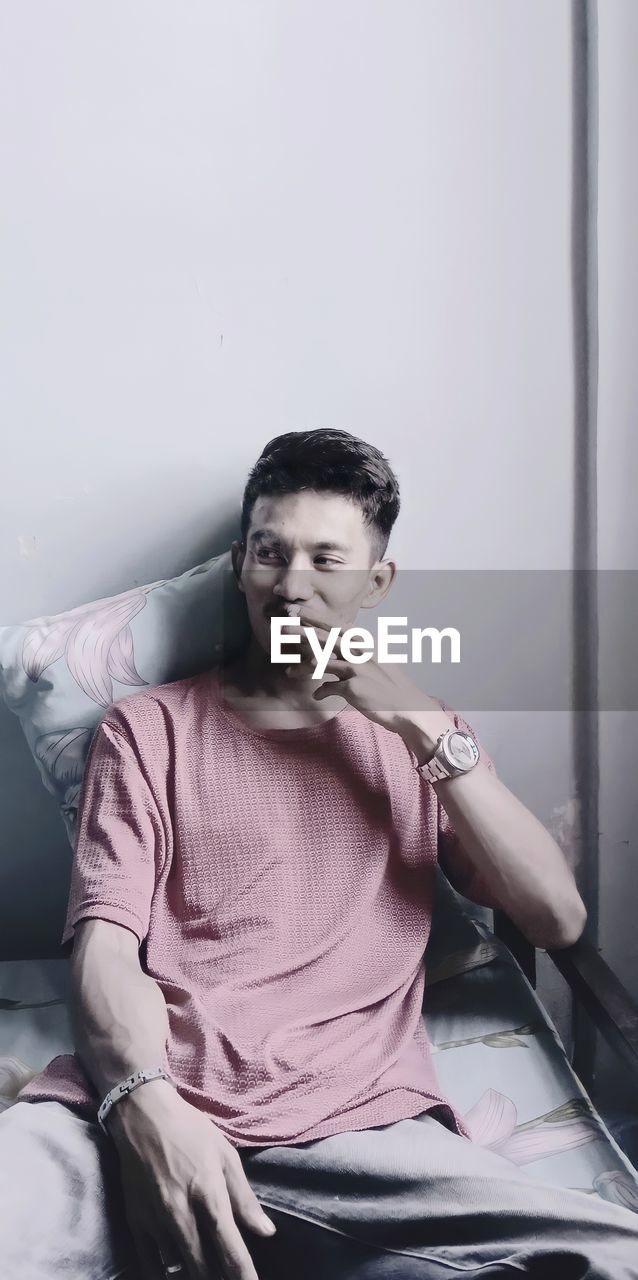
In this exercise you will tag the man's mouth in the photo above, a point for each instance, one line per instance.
(284, 611)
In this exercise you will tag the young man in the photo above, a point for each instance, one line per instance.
(251, 898)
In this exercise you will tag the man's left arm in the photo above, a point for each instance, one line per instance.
(515, 858)
(496, 850)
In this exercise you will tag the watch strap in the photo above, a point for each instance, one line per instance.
(434, 770)
(127, 1086)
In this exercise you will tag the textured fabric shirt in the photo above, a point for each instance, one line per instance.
(281, 882)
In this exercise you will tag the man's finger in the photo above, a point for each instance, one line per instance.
(338, 667)
(306, 650)
(235, 1260)
(245, 1205)
(322, 629)
(181, 1244)
(217, 1225)
(149, 1256)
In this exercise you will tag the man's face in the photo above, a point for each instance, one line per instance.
(309, 554)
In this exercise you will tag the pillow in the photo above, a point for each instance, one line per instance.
(59, 673)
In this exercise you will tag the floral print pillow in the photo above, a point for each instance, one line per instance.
(59, 673)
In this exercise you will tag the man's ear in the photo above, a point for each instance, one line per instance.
(382, 576)
(237, 554)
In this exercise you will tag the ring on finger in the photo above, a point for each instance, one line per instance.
(170, 1268)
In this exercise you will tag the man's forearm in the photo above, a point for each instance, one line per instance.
(514, 853)
(119, 1014)
(516, 856)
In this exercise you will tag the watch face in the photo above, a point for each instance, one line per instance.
(462, 750)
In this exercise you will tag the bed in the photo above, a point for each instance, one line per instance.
(498, 1055)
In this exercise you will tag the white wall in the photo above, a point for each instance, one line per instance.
(227, 221)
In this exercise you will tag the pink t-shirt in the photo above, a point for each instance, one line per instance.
(281, 881)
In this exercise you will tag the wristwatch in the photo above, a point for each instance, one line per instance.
(456, 752)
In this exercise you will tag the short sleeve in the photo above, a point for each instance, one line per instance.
(453, 859)
(119, 837)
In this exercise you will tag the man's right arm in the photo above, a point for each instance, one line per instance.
(119, 1014)
(174, 1161)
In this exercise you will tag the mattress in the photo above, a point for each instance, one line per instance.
(498, 1056)
(501, 1061)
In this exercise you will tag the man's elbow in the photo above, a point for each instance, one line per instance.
(561, 929)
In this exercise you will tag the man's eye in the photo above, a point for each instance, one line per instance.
(266, 551)
(328, 560)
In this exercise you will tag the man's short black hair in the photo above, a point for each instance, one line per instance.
(322, 461)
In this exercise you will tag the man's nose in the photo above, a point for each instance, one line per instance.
(293, 585)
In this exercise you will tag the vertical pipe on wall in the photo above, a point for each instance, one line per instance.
(584, 268)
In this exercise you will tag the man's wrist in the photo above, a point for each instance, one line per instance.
(143, 1105)
(421, 731)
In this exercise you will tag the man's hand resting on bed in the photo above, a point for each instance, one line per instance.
(185, 1188)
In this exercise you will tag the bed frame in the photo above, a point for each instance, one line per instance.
(595, 988)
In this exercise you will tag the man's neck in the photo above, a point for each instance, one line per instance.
(253, 677)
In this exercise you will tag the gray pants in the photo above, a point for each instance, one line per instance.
(394, 1202)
